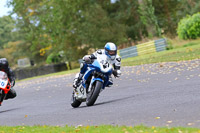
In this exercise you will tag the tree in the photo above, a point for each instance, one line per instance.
(148, 18)
(166, 12)
(126, 13)
(188, 7)
(10, 40)
(72, 26)
(7, 27)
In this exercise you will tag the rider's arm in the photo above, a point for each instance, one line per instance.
(95, 54)
(117, 65)
(11, 76)
(90, 58)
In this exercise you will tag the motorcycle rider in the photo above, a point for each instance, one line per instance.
(4, 66)
(110, 50)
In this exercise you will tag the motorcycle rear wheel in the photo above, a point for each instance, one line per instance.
(75, 103)
(94, 93)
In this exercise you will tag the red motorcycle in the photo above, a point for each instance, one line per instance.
(4, 86)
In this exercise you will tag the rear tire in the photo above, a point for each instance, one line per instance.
(94, 93)
(75, 103)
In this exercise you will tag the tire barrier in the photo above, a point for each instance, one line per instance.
(144, 48)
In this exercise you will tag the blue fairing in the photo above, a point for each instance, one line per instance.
(87, 74)
(97, 79)
(95, 66)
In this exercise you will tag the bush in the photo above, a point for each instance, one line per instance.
(169, 45)
(53, 58)
(189, 27)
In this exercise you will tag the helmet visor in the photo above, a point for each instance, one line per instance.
(112, 52)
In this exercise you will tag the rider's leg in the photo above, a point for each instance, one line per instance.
(77, 80)
(79, 76)
(110, 82)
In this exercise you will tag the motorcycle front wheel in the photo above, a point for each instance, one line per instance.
(94, 93)
(74, 102)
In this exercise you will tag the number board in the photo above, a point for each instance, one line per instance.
(3, 83)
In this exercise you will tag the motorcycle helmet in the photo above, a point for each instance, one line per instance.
(110, 50)
(3, 64)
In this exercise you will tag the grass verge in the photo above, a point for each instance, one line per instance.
(187, 52)
(96, 129)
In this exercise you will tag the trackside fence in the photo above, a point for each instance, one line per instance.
(144, 48)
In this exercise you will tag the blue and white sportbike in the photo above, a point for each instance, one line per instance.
(95, 79)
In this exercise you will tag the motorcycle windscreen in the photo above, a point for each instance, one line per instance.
(3, 76)
(3, 80)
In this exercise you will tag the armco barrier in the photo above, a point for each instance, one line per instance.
(144, 48)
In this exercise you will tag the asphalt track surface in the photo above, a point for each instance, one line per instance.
(163, 94)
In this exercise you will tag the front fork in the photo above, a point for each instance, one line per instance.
(92, 81)
(89, 88)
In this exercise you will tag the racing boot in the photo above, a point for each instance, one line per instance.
(77, 80)
(110, 82)
(78, 91)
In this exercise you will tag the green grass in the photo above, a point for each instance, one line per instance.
(190, 44)
(188, 51)
(178, 43)
(95, 129)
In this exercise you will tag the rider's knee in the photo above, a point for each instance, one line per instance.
(76, 76)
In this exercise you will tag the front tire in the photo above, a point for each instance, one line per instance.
(2, 95)
(75, 103)
(94, 93)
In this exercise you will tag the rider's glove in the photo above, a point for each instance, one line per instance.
(117, 73)
(87, 60)
(12, 83)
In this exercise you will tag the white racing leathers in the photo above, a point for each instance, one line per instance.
(116, 62)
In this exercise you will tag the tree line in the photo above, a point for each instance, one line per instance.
(51, 31)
